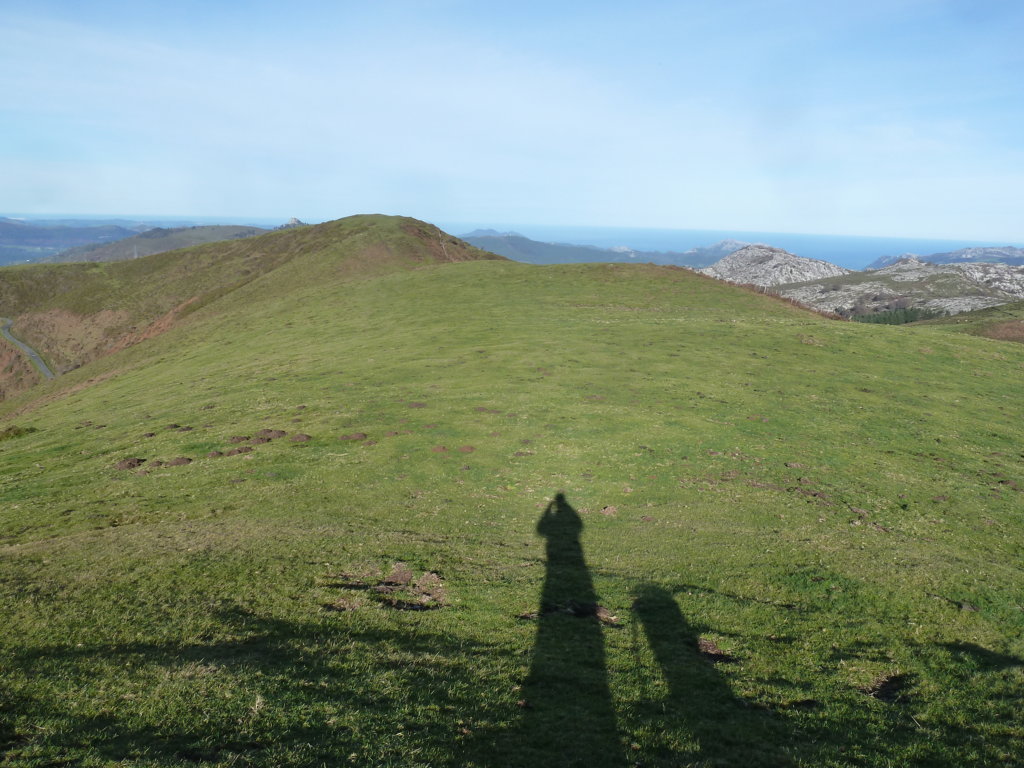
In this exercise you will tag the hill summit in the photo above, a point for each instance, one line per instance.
(764, 265)
(75, 313)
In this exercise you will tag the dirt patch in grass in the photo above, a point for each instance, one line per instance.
(239, 438)
(179, 461)
(710, 651)
(131, 463)
(576, 610)
(354, 436)
(891, 688)
(400, 590)
(239, 450)
(271, 433)
(301, 438)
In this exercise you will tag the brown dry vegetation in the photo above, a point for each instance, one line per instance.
(1011, 330)
(67, 339)
(16, 373)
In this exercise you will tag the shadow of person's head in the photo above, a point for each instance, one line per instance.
(559, 519)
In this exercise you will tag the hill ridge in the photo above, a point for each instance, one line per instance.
(75, 312)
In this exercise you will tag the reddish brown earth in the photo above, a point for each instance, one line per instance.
(16, 373)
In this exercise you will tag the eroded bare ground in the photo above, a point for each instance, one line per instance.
(17, 374)
(401, 589)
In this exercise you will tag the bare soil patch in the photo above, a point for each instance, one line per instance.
(711, 652)
(890, 688)
(400, 590)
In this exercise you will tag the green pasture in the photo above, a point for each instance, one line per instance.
(784, 540)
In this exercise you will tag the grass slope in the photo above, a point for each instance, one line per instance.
(73, 313)
(804, 535)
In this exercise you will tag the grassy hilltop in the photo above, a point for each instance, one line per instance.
(784, 540)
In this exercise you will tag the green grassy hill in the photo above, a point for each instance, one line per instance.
(156, 240)
(784, 540)
(74, 313)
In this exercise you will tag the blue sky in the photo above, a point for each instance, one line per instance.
(899, 118)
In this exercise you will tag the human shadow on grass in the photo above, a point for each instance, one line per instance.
(568, 717)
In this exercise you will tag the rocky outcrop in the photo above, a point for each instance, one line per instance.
(766, 266)
(911, 282)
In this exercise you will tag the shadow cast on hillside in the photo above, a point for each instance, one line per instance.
(568, 718)
(319, 691)
(725, 729)
(283, 693)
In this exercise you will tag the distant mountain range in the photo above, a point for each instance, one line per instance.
(32, 240)
(910, 283)
(1005, 255)
(952, 282)
(513, 245)
(157, 240)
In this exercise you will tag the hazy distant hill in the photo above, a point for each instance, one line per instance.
(153, 241)
(513, 245)
(30, 241)
(1004, 255)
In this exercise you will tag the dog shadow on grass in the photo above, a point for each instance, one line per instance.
(725, 729)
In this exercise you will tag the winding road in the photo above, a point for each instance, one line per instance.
(5, 328)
